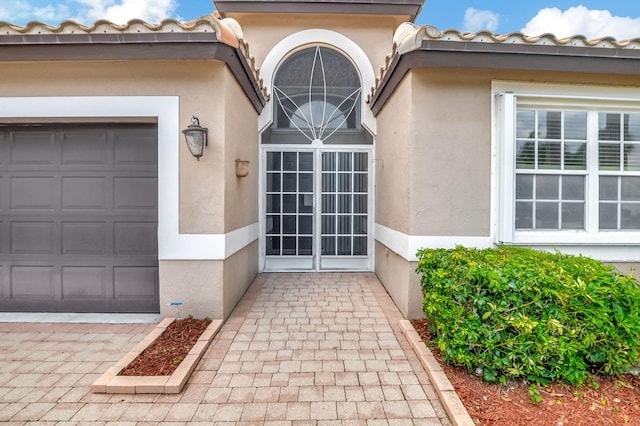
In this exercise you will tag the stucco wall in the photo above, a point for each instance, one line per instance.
(372, 33)
(241, 136)
(393, 162)
(239, 272)
(450, 151)
(195, 82)
(212, 199)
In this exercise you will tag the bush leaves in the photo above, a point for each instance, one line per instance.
(520, 313)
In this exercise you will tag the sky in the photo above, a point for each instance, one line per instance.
(591, 18)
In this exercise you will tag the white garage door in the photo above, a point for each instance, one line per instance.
(78, 218)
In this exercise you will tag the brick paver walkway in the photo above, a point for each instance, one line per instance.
(298, 349)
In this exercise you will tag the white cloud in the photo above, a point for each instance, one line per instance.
(122, 11)
(86, 11)
(19, 11)
(478, 20)
(581, 21)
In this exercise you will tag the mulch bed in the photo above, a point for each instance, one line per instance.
(616, 401)
(168, 351)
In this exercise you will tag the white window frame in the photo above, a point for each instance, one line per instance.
(506, 98)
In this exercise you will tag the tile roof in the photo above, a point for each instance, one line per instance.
(409, 37)
(227, 31)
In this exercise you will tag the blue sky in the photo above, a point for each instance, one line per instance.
(592, 18)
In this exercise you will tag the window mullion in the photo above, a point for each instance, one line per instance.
(592, 195)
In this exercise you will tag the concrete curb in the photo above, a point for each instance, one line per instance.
(110, 382)
(448, 397)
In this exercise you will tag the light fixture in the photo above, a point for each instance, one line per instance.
(196, 137)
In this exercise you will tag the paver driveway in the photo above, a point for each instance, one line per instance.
(298, 349)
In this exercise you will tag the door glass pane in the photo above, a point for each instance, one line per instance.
(344, 203)
(328, 203)
(344, 246)
(288, 203)
(273, 182)
(360, 163)
(328, 161)
(289, 224)
(344, 161)
(328, 224)
(289, 182)
(344, 224)
(289, 246)
(274, 160)
(273, 203)
(344, 182)
(305, 225)
(305, 246)
(360, 246)
(360, 225)
(273, 246)
(306, 161)
(305, 203)
(328, 245)
(290, 161)
(273, 224)
(360, 182)
(328, 182)
(360, 203)
(305, 182)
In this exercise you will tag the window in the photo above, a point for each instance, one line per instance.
(570, 170)
(317, 99)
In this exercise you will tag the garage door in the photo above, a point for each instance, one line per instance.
(78, 218)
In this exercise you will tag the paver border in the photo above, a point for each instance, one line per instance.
(111, 382)
(448, 397)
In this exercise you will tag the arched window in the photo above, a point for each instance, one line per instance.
(317, 98)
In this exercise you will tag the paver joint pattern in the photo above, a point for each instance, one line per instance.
(318, 348)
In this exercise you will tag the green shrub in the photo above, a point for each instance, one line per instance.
(520, 313)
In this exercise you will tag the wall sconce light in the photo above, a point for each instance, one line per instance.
(242, 168)
(196, 137)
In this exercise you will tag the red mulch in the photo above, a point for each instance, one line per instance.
(615, 402)
(168, 351)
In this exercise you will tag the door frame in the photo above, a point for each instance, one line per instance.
(317, 148)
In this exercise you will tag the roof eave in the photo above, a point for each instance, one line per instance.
(133, 47)
(514, 57)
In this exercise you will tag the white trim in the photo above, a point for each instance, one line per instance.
(406, 246)
(166, 109)
(332, 38)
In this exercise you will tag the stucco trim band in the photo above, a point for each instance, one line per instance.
(406, 246)
(208, 246)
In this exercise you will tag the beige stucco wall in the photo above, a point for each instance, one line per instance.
(197, 84)
(372, 33)
(434, 150)
(241, 136)
(212, 199)
(392, 165)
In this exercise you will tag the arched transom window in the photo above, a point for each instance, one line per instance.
(317, 93)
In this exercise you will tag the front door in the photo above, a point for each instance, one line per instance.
(315, 209)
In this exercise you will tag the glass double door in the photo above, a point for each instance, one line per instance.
(316, 210)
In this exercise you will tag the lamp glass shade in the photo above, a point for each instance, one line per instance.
(196, 138)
